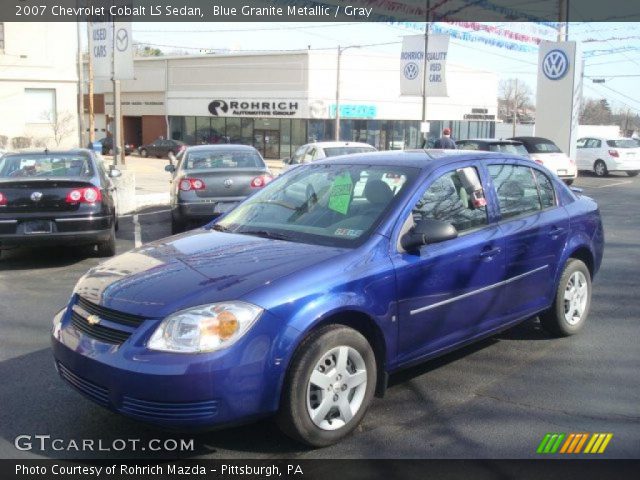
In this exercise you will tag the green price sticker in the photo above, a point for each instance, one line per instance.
(340, 195)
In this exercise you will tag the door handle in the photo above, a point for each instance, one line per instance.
(556, 232)
(488, 252)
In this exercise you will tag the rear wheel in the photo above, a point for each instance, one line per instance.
(600, 168)
(569, 181)
(177, 226)
(144, 153)
(572, 301)
(632, 173)
(108, 247)
(329, 386)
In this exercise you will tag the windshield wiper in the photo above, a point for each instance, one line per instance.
(266, 234)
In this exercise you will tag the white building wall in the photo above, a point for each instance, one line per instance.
(38, 55)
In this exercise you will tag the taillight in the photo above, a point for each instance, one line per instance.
(187, 184)
(3, 200)
(614, 153)
(261, 181)
(84, 195)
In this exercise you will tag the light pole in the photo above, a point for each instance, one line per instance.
(337, 126)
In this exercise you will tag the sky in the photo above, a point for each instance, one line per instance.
(612, 50)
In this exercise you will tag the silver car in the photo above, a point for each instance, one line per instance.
(209, 180)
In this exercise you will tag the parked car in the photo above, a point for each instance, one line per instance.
(493, 145)
(319, 150)
(162, 148)
(107, 146)
(545, 152)
(603, 155)
(210, 180)
(60, 198)
(302, 300)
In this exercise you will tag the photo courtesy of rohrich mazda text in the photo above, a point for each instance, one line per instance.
(319, 238)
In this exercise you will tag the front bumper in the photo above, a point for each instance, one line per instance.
(186, 391)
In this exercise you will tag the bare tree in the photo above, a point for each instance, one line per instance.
(595, 112)
(62, 127)
(514, 93)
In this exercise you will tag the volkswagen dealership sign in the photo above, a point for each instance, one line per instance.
(555, 64)
(412, 61)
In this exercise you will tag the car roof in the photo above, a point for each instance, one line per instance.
(52, 152)
(430, 158)
(221, 146)
(492, 140)
(339, 144)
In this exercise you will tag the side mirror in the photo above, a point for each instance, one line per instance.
(169, 168)
(115, 173)
(428, 231)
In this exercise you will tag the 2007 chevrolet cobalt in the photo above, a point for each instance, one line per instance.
(300, 301)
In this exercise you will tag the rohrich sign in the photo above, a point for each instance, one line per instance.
(253, 108)
(559, 93)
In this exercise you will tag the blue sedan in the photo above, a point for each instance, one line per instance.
(302, 300)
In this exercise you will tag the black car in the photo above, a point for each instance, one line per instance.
(107, 146)
(64, 198)
(210, 180)
(493, 145)
(162, 148)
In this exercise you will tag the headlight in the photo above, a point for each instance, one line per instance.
(205, 328)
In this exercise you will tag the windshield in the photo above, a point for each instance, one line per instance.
(38, 165)
(624, 143)
(545, 147)
(328, 204)
(335, 151)
(222, 159)
(508, 148)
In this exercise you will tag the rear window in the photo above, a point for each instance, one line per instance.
(54, 165)
(222, 159)
(508, 148)
(545, 147)
(624, 143)
(335, 151)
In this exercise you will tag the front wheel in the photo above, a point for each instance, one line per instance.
(572, 301)
(329, 386)
(600, 168)
(568, 182)
(632, 173)
(144, 153)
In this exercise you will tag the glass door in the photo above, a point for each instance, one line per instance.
(267, 142)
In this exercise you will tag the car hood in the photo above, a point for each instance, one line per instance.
(195, 268)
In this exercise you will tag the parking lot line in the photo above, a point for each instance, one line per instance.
(613, 184)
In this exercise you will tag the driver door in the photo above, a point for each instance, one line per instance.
(449, 292)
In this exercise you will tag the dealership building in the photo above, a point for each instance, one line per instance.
(277, 101)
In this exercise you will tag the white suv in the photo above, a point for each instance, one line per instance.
(319, 150)
(603, 155)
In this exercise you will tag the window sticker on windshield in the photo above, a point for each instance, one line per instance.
(340, 195)
(346, 232)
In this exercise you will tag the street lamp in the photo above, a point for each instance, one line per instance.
(337, 126)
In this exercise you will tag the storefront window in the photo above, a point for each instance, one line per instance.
(176, 127)
(285, 137)
(298, 133)
(316, 131)
(247, 131)
(189, 133)
(234, 132)
(218, 134)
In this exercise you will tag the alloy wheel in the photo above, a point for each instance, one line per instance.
(575, 298)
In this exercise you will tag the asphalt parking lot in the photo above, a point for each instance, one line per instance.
(496, 399)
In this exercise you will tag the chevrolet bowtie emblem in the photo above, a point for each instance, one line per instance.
(93, 320)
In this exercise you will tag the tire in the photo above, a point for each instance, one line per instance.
(177, 226)
(555, 320)
(108, 247)
(600, 169)
(320, 355)
(569, 182)
(144, 153)
(632, 173)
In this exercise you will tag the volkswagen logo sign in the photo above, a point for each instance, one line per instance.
(36, 196)
(228, 182)
(411, 70)
(555, 65)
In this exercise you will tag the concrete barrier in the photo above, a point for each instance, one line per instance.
(126, 192)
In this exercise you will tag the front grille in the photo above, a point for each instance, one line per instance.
(98, 332)
(145, 409)
(110, 315)
(95, 392)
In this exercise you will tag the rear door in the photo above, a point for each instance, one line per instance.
(449, 292)
(535, 229)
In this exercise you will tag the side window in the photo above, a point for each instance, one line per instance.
(597, 143)
(297, 156)
(516, 188)
(308, 156)
(545, 187)
(446, 199)
(582, 143)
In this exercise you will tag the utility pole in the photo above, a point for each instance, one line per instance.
(563, 20)
(81, 129)
(425, 74)
(338, 66)
(92, 119)
(118, 151)
(515, 108)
